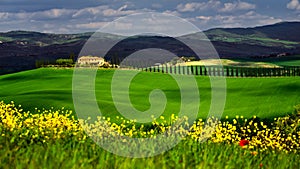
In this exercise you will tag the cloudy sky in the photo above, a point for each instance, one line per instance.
(73, 16)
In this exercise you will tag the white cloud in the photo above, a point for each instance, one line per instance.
(204, 17)
(294, 4)
(3, 15)
(229, 7)
(205, 14)
(91, 25)
(90, 11)
(113, 12)
(191, 7)
(74, 20)
(56, 13)
(175, 13)
(261, 19)
(215, 5)
(119, 12)
(248, 19)
(39, 15)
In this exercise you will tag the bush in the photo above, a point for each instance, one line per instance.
(64, 62)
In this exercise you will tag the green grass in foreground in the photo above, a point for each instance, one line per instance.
(46, 88)
(187, 154)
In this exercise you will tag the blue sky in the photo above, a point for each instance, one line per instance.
(73, 16)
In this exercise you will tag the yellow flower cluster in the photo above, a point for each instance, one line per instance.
(103, 127)
(44, 126)
(282, 134)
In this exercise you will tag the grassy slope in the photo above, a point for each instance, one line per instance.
(286, 61)
(43, 88)
(292, 60)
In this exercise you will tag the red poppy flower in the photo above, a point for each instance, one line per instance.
(244, 142)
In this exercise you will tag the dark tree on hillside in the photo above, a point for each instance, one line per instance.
(72, 56)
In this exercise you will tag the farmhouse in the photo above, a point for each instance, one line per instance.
(91, 60)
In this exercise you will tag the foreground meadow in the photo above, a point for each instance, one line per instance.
(55, 139)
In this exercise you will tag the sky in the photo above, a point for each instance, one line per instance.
(75, 16)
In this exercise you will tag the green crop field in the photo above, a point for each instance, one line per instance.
(46, 88)
(286, 61)
(55, 140)
(292, 60)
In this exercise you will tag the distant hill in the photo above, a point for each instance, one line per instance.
(21, 49)
(288, 31)
(260, 41)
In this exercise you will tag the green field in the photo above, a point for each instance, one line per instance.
(292, 60)
(46, 88)
(25, 147)
(285, 61)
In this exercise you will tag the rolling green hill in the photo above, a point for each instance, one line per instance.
(282, 31)
(46, 88)
(293, 60)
